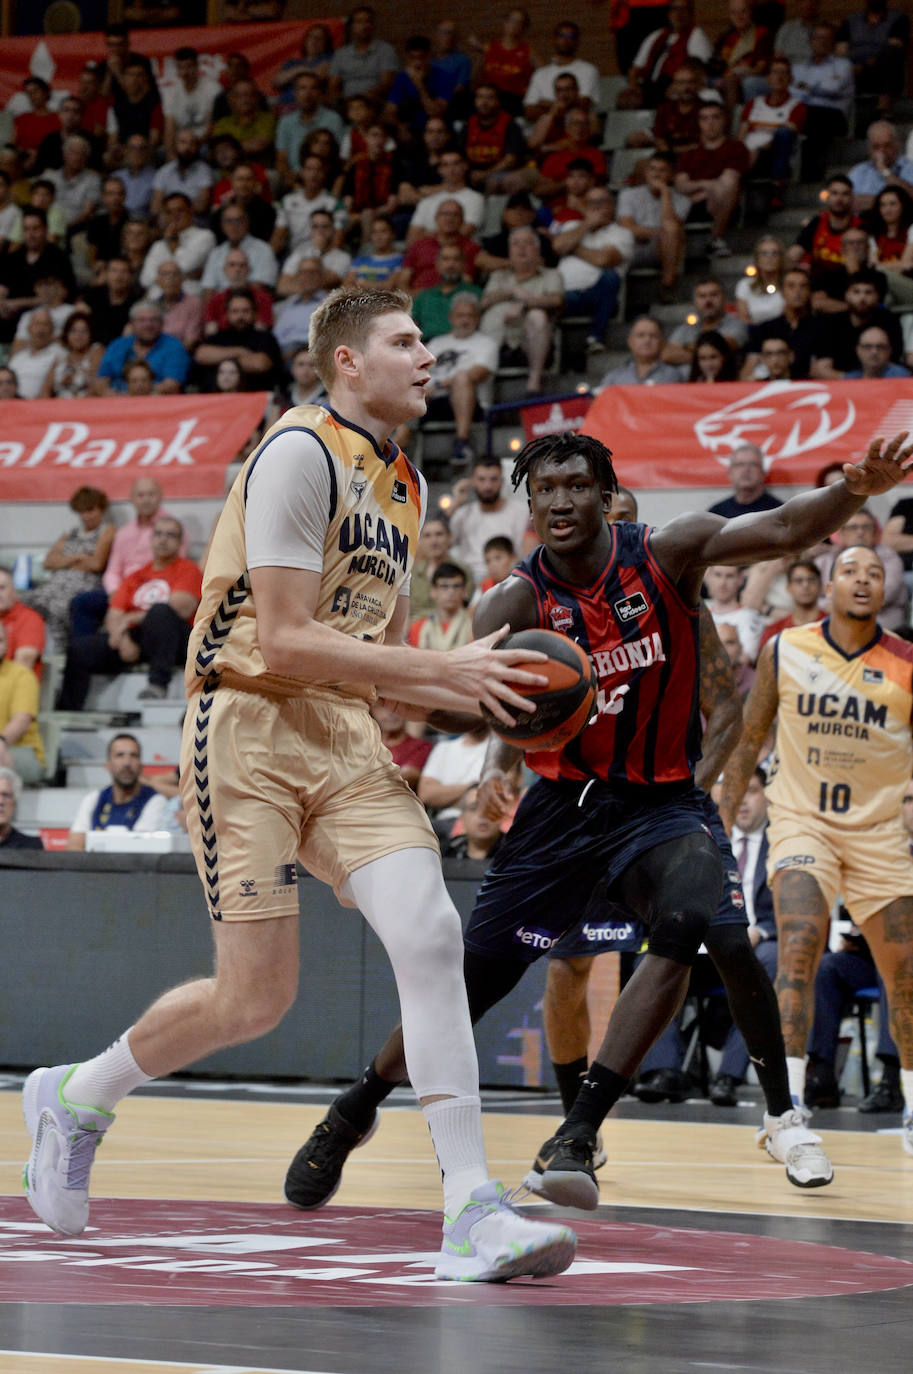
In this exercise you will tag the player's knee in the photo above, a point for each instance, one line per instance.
(729, 946)
(489, 979)
(568, 978)
(257, 1010)
(436, 941)
(679, 934)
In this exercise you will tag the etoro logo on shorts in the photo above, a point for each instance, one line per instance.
(537, 938)
(606, 934)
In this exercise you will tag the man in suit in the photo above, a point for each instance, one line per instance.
(749, 844)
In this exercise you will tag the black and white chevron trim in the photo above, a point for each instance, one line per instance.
(204, 800)
(219, 628)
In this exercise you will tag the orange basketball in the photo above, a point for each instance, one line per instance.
(564, 706)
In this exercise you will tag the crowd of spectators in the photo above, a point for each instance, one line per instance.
(195, 231)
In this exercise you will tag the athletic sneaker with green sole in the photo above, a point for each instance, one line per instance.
(64, 1140)
(489, 1241)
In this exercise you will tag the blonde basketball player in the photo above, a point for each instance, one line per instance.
(301, 623)
(841, 691)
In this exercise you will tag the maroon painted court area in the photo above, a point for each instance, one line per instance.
(262, 1255)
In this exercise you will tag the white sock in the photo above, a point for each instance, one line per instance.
(102, 1082)
(906, 1086)
(795, 1069)
(455, 1124)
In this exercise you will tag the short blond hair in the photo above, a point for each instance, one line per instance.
(346, 317)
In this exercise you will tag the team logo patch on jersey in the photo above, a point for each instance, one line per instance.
(630, 607)
(400, 492)
(738, 901)
(872, 675)
(342, 599)
(561, 618)
(358, 490)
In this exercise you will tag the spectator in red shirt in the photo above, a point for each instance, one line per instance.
(419, 267)
(95, 105)
(148, 620)
(410, 753)
(549, 133)
(509, 61)
(25, 629)
(676, 128)
(744, 50)
(226, 153)
(237, 271)
(711, 174)
(554, 169)
(35, 124)
(494, 146)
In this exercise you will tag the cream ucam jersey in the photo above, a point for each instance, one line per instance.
(315, 494)
(844, 747)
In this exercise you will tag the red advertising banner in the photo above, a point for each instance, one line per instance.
(186, 442)
(59, 58)
(556, 417)
(682, 436)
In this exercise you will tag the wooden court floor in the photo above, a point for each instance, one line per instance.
(701, 1187)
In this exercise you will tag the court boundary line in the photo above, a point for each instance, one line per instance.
(206, 1367)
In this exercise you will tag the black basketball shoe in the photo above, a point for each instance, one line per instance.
(315, 1173)
(563, 1170)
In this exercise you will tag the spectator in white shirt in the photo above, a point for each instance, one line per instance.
(477, 521)
(293, 217)
(264, 269)
(452, 766)
(453, 169)
(593, 254)
(128, 804)
(182, 242)
(541, 90)
(465, 361)
(188, 102)
(723, 586)
(33, 363)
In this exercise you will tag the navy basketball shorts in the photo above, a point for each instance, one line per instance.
(605, 925)
(567, 839)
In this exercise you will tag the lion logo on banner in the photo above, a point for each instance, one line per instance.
(784, 419)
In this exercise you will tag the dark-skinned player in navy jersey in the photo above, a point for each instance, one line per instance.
(618, 805)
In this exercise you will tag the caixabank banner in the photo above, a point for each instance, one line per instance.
(683, 436)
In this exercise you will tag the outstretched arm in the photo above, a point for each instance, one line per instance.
(760, 710)
(695, 541)
(720, 705)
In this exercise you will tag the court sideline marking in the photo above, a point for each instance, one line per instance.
(150, 1366)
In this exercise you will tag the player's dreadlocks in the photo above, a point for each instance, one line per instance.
(558, 448)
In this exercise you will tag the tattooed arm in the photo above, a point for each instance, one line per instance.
(720, 705)
(760, 710)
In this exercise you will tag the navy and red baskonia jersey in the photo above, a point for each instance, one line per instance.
(643, 642)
